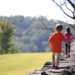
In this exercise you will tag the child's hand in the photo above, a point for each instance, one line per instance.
(69, 44)
(72, 44)
(48, 46)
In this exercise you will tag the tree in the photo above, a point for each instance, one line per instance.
(44, 22)
(67, 6)
(6, 37)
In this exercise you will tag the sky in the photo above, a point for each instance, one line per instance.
(31, 8)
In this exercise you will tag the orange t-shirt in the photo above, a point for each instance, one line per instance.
(56, 42)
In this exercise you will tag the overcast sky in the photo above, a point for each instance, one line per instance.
(31, 8)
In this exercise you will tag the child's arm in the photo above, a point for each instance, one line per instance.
(49, 41)
(48, 44)
(67, 42)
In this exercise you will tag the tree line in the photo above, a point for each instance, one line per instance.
(25, 34)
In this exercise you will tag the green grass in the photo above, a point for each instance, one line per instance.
(23, 63)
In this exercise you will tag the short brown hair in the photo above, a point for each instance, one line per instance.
(59, 27)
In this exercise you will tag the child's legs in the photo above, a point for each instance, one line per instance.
(53, 58)
(66, 48)
(69, 48)
(58, 58)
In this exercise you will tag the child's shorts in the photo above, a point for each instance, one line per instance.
(58, 54)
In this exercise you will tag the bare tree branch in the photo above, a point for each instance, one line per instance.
(63, 10)
(44, 26)
(73, 5)
(68, 8)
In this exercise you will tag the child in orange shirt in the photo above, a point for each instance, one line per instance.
(56, 40)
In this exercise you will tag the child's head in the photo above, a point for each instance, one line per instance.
(68, 30)
(59, 28)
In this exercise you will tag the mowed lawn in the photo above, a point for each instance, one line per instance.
(22, 63)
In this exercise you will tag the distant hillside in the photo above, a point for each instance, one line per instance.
(30, 35)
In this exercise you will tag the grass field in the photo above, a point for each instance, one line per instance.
(22, 63)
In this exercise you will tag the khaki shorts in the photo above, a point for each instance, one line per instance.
(58, 54)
